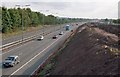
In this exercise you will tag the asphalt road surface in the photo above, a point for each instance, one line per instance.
(33, 53)
(28, 34)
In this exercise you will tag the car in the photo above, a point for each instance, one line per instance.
(61, 33)
(71, 30)
(11, 61)
(55, 36)
(76, 24)
(41, 38)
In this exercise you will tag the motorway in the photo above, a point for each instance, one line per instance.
(28, 34)
(34, 53)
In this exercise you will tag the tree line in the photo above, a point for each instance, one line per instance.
(116, 21)
(14, 18)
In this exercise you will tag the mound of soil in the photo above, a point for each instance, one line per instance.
(92, 51)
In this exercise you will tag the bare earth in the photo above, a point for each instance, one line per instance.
(94, 50)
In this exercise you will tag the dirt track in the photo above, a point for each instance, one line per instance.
(92, 51)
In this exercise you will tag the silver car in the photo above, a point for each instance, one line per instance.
(41, 38)
(11, 61)
(61, 33)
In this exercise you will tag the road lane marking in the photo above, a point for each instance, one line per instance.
(37, 55)
(20, 54)
(15, 48)
(18, 47)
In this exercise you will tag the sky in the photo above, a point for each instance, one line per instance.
(70, 8)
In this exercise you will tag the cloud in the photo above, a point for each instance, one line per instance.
(54, 5)
(59, 0)
(77, 8)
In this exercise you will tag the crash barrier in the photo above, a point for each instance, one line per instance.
(9, 45)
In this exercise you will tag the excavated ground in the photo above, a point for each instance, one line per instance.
(94, 50)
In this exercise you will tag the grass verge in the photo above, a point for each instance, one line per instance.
(18, 32)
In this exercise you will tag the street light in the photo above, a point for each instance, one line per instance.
(60, 23)
(22, 17)
(54, 21)
(43, 19)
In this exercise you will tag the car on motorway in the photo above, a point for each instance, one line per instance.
(61, 33)
(11, 61)
(67, 27)
(41, 38)
(71, 30)
(76, 24)
(55, 37)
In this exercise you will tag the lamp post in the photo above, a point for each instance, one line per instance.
(60, 23)
(43, 19)
(54, 21)
(22, 17)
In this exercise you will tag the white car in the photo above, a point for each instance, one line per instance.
(41, 38)
(11, 61)
(61, 33)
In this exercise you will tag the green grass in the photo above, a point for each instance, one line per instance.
(46, 68)
(18, 32)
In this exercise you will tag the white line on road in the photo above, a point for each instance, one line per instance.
(36, 55)
(15, 48)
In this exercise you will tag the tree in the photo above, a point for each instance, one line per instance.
(15, 19)
(26, 21)
(6, 21)
(35, 19)
(0, 19)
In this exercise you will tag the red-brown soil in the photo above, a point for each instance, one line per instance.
(92, 51)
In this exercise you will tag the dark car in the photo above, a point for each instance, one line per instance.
(55, 36)
(71, 30)
(76, 24)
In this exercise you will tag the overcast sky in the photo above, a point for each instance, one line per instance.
(71, 8)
